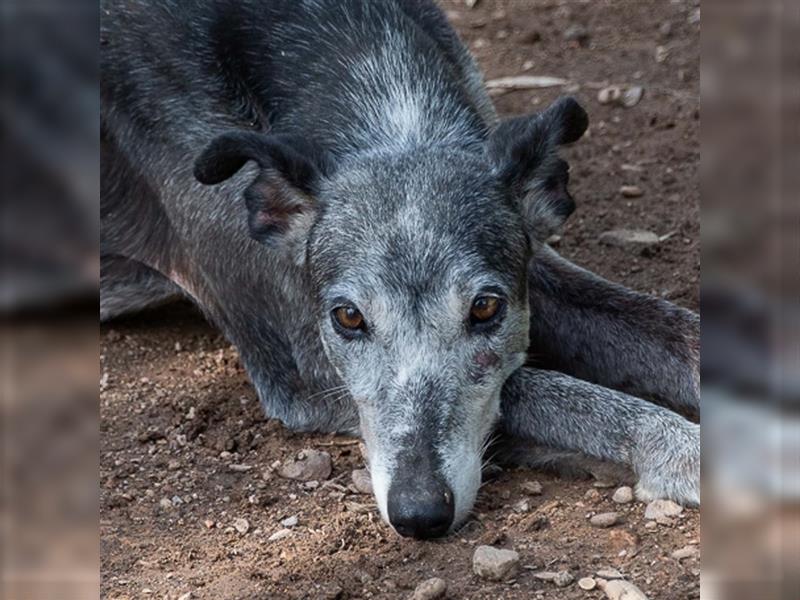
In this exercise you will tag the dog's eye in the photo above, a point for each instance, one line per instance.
(349, 318)
(484, 309)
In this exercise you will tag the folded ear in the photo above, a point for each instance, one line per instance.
(281, 202)
(524, 153)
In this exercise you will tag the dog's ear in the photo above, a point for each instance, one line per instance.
(524, 154)
(281, 202)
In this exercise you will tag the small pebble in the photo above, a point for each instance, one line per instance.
(587, 583)
(522, 506)
(279, 535)
(631, 191)
(603, 484)
(619, 589)
(623, 495)
(494, 564)
(430, 589)
(592, 495)
(532, 488)
(308, 465)
(563, 579)
(659, 509)
(618, 95)
(241, 525)
(362, 481)
(609, 574)
(608, 519)
(629, 238)
(289, 521)
(632, 96)
(236, 468)
(686, 552)
(576, 33)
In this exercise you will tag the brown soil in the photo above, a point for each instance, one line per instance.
(177, 409)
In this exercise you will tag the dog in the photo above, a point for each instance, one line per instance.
(329, 182)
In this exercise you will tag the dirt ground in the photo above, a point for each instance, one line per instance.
(186, 453)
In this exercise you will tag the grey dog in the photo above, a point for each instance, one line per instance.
(328, 180)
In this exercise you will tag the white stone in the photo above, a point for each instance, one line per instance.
(308, 465)
(241, 525)
(623, 495)
(660, 509)
(494, 564)
(430, 589)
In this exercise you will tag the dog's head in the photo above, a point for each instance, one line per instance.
(419, 261)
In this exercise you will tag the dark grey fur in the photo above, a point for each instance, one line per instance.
(359, 161)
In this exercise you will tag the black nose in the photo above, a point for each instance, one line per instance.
(421, 509)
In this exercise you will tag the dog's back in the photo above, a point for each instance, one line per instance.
(342, 72)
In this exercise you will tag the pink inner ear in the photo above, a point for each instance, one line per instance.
(273, 202)
(263, 220)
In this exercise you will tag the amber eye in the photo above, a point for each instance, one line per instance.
(349, 317)
(484, 308)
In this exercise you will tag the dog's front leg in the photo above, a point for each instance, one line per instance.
(557, 410)
(605, 333)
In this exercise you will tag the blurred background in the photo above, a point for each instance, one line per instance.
(750, 298)
(49, 126)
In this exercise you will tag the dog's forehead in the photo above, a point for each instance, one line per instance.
(434, 184)
(417, 265)
(423, 223)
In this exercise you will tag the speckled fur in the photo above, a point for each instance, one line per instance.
(377, 170)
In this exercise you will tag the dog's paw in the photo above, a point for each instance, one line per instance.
(669, 465)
